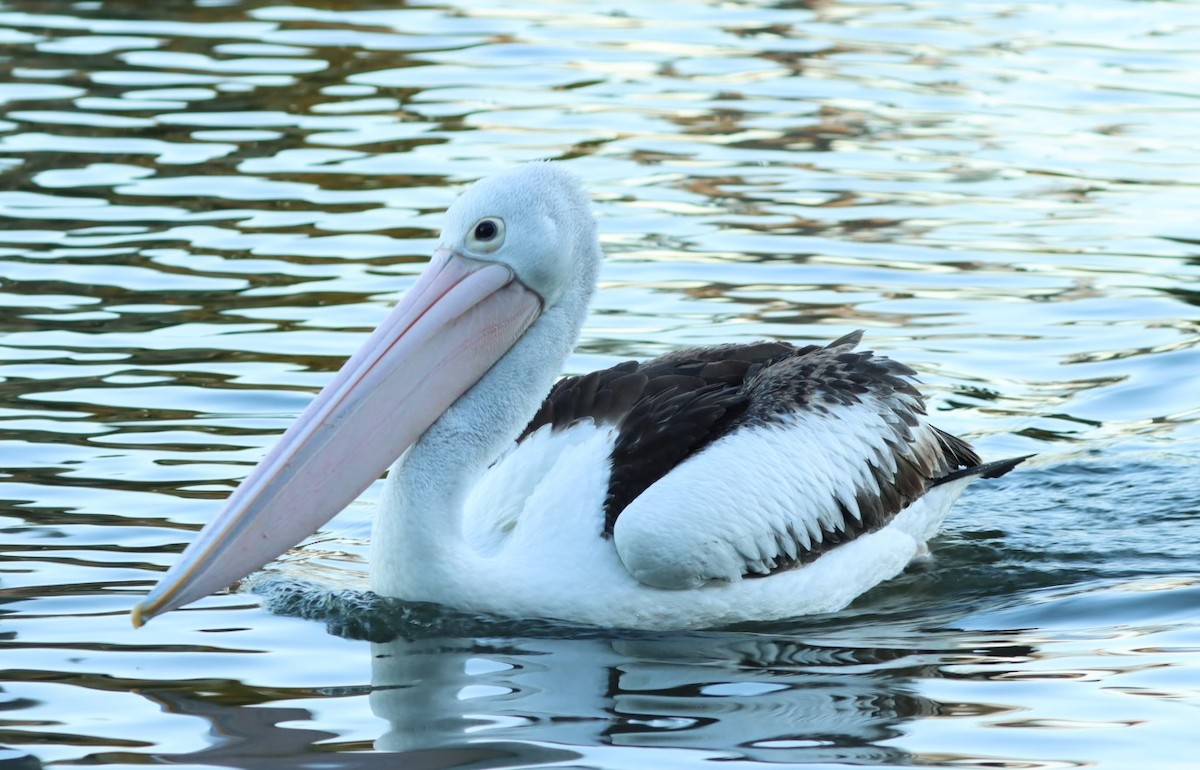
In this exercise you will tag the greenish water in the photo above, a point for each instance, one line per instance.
(207, 205)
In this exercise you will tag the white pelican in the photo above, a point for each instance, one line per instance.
(705, 487)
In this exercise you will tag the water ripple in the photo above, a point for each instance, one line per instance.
(208, 206)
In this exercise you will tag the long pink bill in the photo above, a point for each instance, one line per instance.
(455, 323)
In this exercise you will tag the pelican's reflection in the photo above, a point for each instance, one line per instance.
(838, 691)
(730, 694)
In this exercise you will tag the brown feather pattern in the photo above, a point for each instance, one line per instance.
(671, 407)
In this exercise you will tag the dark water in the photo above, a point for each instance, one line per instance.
(207, 205)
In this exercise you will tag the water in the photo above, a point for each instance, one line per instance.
(207, 205)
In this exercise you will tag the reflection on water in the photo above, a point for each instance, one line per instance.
(206, 206)
(773, 699)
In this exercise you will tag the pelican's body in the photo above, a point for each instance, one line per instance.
(706, 487)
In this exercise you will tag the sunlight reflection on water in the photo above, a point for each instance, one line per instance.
(207, 207)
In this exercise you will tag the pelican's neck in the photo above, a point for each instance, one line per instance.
(418, 527)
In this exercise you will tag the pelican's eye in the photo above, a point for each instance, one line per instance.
(486, 236)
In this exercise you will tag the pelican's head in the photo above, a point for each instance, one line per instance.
(514, 246)
(536, 220)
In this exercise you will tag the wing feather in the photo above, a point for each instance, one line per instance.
(832, 444)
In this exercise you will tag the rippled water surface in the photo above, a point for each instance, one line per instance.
(207, 205)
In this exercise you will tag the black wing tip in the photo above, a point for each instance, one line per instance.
(992, 470)
(851, 340)
(995, 470)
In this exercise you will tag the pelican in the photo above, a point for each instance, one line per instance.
(742, 482)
